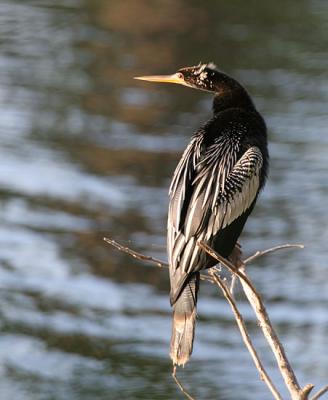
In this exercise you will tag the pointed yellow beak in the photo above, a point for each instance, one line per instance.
(175, 78)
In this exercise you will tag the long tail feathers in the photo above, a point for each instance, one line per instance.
(184, 320)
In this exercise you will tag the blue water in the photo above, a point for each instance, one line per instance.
(88, 152)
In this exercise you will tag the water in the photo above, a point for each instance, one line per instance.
(86, 152)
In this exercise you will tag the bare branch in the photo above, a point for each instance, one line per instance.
(306, 391)
(246, 338)
(139, 256)
(271, 250)
(255, 300)
(176, 380)
(265, 324)
(135, 254)
(226, 263)
(160, 263)
(320, 393)
(258, 254)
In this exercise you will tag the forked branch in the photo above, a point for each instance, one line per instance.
(244, 333)
(264, 321)
(296, 392)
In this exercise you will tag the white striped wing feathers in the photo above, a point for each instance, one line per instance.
(222, 189)
(239, 192)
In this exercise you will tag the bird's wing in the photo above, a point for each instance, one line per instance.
(223, 194)
(207, 195)
(179, 192)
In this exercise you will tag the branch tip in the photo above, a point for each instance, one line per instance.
(320, 393)
(179, 384)
(306, 391)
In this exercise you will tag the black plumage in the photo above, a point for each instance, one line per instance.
(213, 190)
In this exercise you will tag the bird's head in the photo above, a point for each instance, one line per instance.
(228, 92)
(202, 76)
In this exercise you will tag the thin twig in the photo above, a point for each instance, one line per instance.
(163, 264)
(265, 324)
(320, 393)
(135, 254)
(246, 338)
(271, 250)
(258, 254)
(179, 384)
(142, 257)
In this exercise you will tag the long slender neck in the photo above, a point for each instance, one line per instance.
(230, 94)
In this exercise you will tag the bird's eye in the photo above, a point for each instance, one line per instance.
(180, 75)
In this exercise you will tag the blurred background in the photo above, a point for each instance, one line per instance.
(88, 152)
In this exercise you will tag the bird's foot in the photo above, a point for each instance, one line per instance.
(236, 256)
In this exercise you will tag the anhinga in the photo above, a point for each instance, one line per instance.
(213, 190)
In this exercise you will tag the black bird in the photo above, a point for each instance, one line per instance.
(213, 190)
